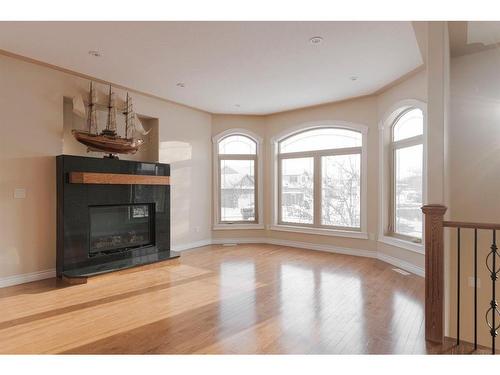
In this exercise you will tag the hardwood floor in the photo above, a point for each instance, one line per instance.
(245, 299)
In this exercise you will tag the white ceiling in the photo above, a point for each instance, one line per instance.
(264, 67)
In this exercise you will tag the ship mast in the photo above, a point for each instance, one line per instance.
(111, 125)
(129, 118)
(92, 117)
(126, 116)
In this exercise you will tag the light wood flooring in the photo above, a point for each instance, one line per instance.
(247, 299)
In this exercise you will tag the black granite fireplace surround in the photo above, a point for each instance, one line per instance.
(104, 226)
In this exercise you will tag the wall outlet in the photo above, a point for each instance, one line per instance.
(19, 193)
(197, 229)
(471, 282)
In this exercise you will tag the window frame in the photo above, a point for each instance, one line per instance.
(387, 177)
(218, 224)
(317, 227)
(394, 146)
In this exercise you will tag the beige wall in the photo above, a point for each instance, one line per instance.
(438, 66)
(414, 87)
(474, 137)
(31, 103)
(474, 178)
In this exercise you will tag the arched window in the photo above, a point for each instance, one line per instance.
(319, 176)
(237, 144)
(407, 166)
(236, 163)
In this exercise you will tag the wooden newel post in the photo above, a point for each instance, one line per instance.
(434, 272)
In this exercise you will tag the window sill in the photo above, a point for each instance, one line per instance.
(237, 226)
(320, 231)
(407, 245)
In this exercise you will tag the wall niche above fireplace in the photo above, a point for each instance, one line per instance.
(111, 214)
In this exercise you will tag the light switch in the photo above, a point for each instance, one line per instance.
(19, 193)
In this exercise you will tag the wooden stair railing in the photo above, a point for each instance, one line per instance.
(434, 274)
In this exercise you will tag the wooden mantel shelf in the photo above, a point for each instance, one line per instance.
(116, 179)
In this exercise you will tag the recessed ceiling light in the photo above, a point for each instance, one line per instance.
(94, 53)
(316, 40)
(181, 84)
(353, 78)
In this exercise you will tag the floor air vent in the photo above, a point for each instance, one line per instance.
(402, 272)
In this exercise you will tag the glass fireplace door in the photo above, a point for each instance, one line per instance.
(120, 227)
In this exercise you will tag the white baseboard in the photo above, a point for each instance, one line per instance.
(191, 245)
(242, 240)
(323, 247)
(301, 245)
(327, 248)
(47, 274)
(26, 278)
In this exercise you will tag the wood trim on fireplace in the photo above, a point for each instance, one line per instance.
(116, 179)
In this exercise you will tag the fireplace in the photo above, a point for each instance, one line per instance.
(119, 228)
(111, 214)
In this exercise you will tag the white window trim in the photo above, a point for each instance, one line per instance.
(404, 244)
(215, 186)
(385, 127)
(299, 128)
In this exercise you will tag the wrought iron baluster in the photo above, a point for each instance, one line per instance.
(458, 286)
(475, 288)
(493, 303)
(493, 292)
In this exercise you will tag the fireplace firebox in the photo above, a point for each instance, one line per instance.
(111, 214)
(120, 228)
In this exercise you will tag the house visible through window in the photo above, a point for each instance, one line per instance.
(237, 171)
(407, 175)
(319, 177)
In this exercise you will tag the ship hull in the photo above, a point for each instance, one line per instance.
(105, 143)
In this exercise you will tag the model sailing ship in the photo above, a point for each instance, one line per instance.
(108, 140)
